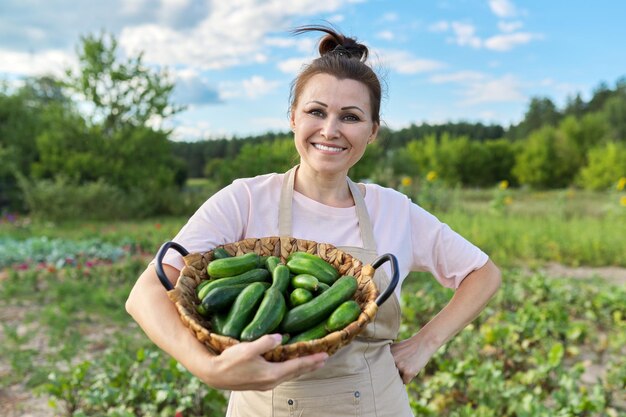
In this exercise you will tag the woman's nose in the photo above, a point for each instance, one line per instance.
(330, 129)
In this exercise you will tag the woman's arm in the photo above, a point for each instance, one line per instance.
(240, 367)
(470, 298)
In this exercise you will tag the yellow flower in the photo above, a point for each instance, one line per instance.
(508, 200)
(431, 176)
(407, 181)
(621, 184)
(504, 184)
(622, 201)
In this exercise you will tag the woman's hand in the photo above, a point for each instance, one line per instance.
(242, 366)
(411, 356)
(469, 299)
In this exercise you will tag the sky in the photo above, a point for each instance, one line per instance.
(233, 61)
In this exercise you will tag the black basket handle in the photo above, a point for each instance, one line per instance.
(382, 297)
(159, 262)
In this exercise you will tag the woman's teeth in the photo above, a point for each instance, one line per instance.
(327, 148)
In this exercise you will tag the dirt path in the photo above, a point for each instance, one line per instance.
(613, 274)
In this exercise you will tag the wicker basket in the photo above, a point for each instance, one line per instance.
(185, 298)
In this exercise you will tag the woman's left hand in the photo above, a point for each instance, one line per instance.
(411, 356)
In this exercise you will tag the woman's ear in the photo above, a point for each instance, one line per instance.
(372, 137)
(292, 122)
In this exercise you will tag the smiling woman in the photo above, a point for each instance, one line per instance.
(334, 116)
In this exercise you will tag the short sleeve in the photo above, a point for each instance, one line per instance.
(441, 251)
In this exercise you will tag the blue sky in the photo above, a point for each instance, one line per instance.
(233, 60)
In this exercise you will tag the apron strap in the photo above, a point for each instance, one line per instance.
(285, 213)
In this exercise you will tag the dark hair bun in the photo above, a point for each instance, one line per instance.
(336, 43)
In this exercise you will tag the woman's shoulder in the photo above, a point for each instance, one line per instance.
(263, 181)
(377, 192)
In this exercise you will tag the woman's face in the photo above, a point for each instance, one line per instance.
(332, 124)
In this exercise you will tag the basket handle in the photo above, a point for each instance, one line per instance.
(394, 276)
(159, 262)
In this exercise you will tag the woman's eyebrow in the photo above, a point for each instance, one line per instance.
(343, 108)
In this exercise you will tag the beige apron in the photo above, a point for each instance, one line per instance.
(361, 379)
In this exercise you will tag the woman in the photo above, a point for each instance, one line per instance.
(334, 116)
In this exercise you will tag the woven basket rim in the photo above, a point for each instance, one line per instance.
(194, 271)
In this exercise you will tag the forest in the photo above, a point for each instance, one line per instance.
(94, 140)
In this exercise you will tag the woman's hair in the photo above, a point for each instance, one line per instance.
(343, 58)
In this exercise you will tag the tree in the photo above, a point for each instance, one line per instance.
(121, 93)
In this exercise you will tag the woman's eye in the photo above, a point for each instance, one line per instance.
(316, 113)
(351, 118)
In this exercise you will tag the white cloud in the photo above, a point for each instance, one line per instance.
(386, 35)
(508, 41)
(271, 123)
(465, 35)
(508, 27)
(477, 87)
(293, 65)
(390, 17)
(404, 63)
(252, 88)
(504, 89)
(503, 8)
(441, 26)
(258, 86)
(47, 62)
(336, 18)
(231, 34)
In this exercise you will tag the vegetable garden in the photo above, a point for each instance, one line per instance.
(547, 345)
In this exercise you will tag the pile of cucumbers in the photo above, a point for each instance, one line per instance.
(249, 295)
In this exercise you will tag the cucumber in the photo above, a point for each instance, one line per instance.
(343, 315)
(272, 262)
(281, 278)
(221, 253)
(306, 281)
(322, 287)
(243, 309)
(268, 316)
(200, 286)
(307, 263)
(310, 314)
(299, 296)
(315, 332)
(220, 298)
(235, 265)
(217, 322)
(254, 275)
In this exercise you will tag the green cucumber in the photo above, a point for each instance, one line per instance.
(299, 296)
(319, 308)
(307, 263)
(254, 275)
(281, 278)
(268, 316)
(272, 262)
(322, 287)
(343, 315)
(200, 286)
(315, 332)
(221, 253)
(220, 298)
(306, 281)
(243, 309)
(235, 265)
(217, 322)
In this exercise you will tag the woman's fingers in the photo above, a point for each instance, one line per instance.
(242, 366)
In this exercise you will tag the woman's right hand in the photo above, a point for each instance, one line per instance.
(242, 366)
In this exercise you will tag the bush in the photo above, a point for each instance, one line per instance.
(62, 199)
(607, 163)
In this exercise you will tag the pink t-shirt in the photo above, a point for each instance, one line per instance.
(248, 208)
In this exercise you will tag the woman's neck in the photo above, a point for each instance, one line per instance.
(331, 190)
